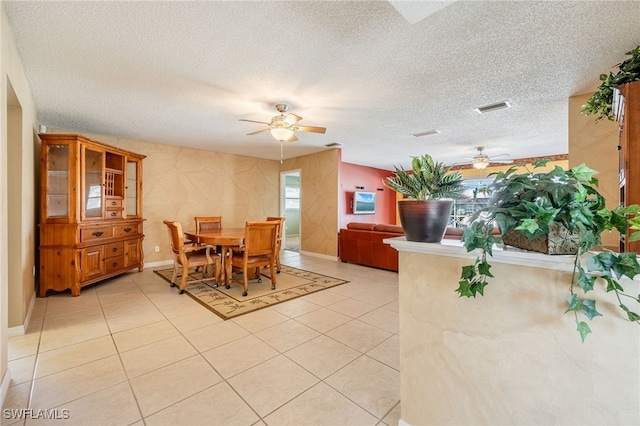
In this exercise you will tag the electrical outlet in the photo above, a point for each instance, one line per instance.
(157, 249)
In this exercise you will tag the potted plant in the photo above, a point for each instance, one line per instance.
(429, 187)
(600, 104)
(537, 204)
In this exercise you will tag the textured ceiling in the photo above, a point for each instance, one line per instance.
(183, 73)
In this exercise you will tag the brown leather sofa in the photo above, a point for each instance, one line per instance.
(362, 243)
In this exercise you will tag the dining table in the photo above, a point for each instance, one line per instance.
(226, 239)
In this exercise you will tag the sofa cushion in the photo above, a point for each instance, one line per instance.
(362, 226)
(394, 229)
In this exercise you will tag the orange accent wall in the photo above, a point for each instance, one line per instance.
(354, 175)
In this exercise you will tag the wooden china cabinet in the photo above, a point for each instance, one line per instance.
(626, 108)
(90, 212)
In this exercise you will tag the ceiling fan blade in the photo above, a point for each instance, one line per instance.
(292, 139)
(311, 129)
(258, 132)
(500, 155)
(253, 121)
(292, 119)
(501, 161)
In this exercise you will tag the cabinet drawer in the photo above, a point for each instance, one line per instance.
(128, 229)
(114, 249)
(114, 214)
(113, 203)
(96, 233)
(114, 264)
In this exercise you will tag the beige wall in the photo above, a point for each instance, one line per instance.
(181, 183)
(319, 203)
(510, 356)
(19, 218)
(596, 145)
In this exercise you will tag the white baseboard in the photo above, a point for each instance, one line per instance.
(4, 387)
(158, 263)
(323, 256)
(20, 330)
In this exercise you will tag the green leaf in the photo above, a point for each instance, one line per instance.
(530, 226)
(631, 315)
(589, 309)
(483, 269)
(478, 287)
(626, 265)
(574, 303)
(583, 329)
(464, 289)
(585, 281)
(583, 173)
(612, 285)
(468, 271)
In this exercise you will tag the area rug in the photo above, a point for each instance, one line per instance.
(229, 303)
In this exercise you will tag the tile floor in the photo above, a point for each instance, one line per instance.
(132, 351)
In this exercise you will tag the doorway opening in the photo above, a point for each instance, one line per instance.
(290, 191)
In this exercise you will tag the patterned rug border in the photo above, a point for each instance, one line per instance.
(315, 282)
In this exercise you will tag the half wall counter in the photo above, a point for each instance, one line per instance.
(511, 356)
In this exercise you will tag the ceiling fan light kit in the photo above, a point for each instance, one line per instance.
(481, 161)
(281, 133)
(282, 127)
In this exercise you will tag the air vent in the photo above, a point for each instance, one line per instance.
(492, 107)
(425, 133)
(333, 144)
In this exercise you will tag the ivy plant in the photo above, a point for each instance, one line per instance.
(531, 203)
(600, 104)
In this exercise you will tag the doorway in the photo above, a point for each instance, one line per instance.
(290, 192)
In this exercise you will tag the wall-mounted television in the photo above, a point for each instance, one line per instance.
(364, 202)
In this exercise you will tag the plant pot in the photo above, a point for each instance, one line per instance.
(558, 241)
(424, 221)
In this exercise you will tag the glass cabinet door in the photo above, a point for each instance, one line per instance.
(131, 189)
(93, 167)
(57, 191)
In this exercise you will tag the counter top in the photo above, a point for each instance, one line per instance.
(510, 255)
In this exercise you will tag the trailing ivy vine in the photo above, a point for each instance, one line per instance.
(531, 203)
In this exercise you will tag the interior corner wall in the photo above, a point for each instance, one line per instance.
(354, 177)
(319, 203)
(11, 69)
(596, 145)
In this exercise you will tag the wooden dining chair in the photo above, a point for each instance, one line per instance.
(259, 249)
(279, 240)
(208, 223)
(186, 256)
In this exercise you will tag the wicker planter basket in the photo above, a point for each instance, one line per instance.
(558, 241)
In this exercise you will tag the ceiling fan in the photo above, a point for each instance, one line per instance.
(283, 127)
(481, 160)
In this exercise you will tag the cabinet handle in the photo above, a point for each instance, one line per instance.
(115, 263)
(127, 229)
(113, 203)
(114, 214)
(97, 234)
(115, 249)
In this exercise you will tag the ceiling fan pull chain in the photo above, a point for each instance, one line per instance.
(281, 151)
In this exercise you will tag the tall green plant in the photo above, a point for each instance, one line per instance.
(427, 180)
(600, 104)
(531, 203)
